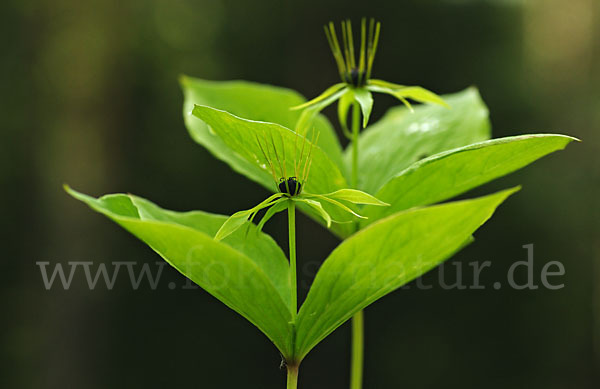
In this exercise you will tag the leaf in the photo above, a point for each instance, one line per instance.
(243, 136)
(453, 172)
(365, 100)
(248, 274)
(355, 196)
(383, 257)
(251, 101)
(401, 138)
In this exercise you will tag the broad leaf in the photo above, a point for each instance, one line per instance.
(383, 257)
(244, 136)
(453, 172)
(401, 138)
(251, 101)
(247, 272)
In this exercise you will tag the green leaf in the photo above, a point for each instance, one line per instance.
(383, 257)
(250, 101)
(365, 100)
(401, 138)
(241, 135)
(249, 274)
(450, 173)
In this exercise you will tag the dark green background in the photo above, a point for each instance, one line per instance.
(89, 96)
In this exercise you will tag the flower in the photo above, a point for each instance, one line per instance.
(289, 188)
(357, 84)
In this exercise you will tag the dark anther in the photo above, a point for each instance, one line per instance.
(356, 78)
(290, 186)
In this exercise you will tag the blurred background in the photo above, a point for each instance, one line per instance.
(90, 97)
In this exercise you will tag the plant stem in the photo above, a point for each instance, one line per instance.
(357, 350)
(355, 130)
(356, 364)
(292, 242)
(292, 368)
(292, 377)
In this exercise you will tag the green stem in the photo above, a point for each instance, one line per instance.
(357, 350)
(292, 368)
(355, 130)
(292, 377)
(356, 364)
(292, 241)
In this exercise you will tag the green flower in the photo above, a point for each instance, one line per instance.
(357, 84)
(290, 188)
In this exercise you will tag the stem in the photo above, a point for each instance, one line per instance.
(292, 377)
(356, 364)
(355, 129)
(357, 351)
(292, 241)
(292, 368)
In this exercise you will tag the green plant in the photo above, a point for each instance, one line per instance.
(410, 159)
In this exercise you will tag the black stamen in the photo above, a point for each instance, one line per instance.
(356, 78)
(290, 186)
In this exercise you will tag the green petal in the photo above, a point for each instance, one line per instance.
(343, 107)
(355, 196)
(317, 206)
(238, 219)
(415, 93)
(365, 100)
(328, 92)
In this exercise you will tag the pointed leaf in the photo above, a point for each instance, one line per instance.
(450, 173)
(383, 257)
(401, 138)
(251, 101)
(241, 135)
(248, 275)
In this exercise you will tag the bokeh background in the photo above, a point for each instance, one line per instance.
(90, 97)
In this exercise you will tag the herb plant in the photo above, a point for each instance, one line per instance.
(376, 195)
